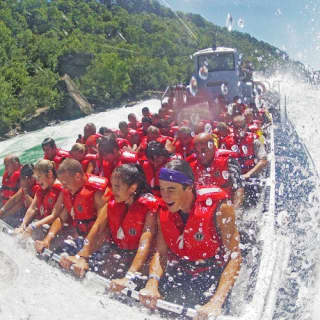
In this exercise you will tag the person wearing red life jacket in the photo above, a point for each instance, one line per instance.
(157, 157)
(51, 152)
(84, 204)
(46, 203)
(153, 134)
(183, 144)
(197, 231)
(223, 132)
(11, 178)
(132, 220)
(252, 154)
(110, 156)
(146, 122)
(17, 205)
(253, 125)
(78, 152)
(146, 112)
(88, 130)
(217, 167)
(133, 123)
(92, 143)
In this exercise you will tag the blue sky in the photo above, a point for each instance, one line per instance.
(291, 25)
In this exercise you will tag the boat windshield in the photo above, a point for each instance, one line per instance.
(217, 61)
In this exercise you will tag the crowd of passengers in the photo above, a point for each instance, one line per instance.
(155, 197)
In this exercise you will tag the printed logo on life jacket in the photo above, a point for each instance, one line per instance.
(180, 242)
(245, 149)
(216, 173)
(120, 234)
(235, 148)
(132, 231)
(225, 175)
(209, 202)
(198, 236)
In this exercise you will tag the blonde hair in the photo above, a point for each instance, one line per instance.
(44, 166)
(78, 147)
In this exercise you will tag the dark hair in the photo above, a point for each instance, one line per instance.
(181, 166)
(156, 149)
(48, 142)
(123, 124)
(107, 144)
(104, 130)
(27, 171)
(145, 109)
(130, 174)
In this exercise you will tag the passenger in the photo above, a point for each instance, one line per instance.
(252, 154)
(110, 156)
(46, 204)
(184, 144)
(105, 131)
(84, 204)
(18, 203)
(78, 152)
(51, 152)
(194, 256)
(92, 144)
(125, 132)
(133, 122)
(223, 132)
(88, 130)
(146, 113)
(217, 167)
(146, 123)
(153, 134)
(11, 178)
(157, 157)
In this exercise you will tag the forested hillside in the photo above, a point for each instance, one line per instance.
(113, 50)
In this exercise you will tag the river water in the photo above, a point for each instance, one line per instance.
(35, 290)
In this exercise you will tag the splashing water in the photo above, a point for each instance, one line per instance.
(241, 23)
(229, 22)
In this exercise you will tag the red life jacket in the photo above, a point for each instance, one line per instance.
(245, 148)
(89, 157)
(46, 199)
(10, 185)
(81, 206)
(107, 167)
(183, 151)
(198, 239)
(126, 224)
(217, 174)
(59, 157)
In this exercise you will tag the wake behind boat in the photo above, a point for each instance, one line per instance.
(219, 76)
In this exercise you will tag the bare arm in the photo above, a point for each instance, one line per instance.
(12, 202)
(54, 213)
(31, 212)
(156, 270)
(145, 242)
(98, 231)
(257, 168)
(230, 239)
